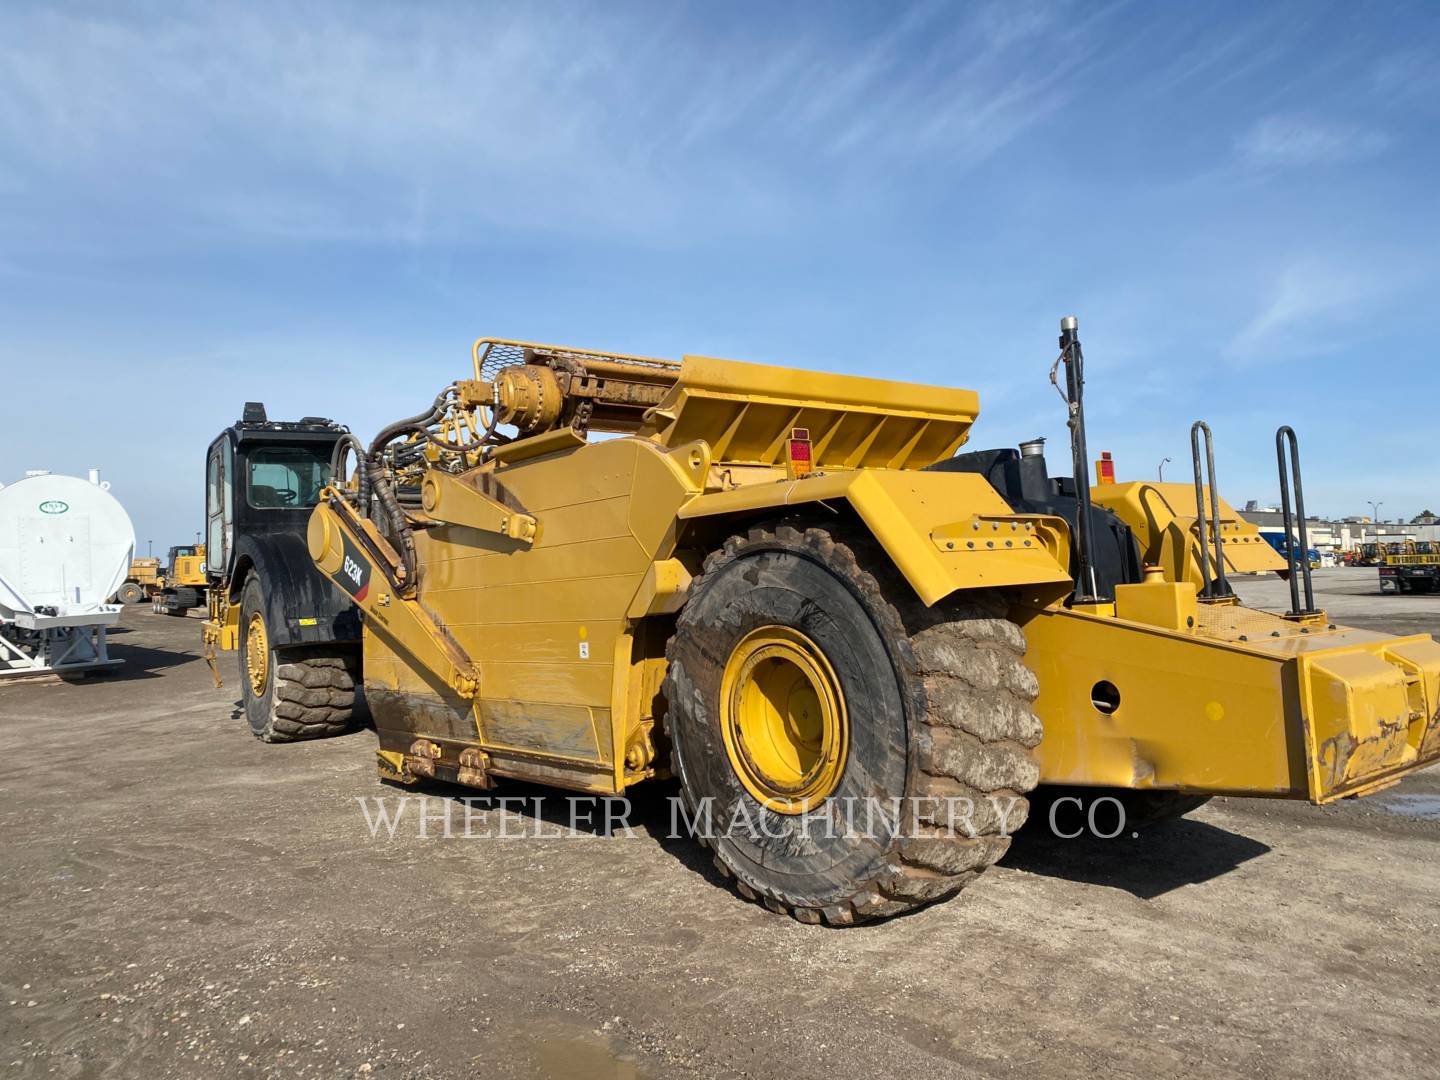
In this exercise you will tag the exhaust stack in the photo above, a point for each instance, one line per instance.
(1071, 355)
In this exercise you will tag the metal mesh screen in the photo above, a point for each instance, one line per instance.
(494, 355)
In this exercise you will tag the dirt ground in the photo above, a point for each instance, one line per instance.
(179, 900)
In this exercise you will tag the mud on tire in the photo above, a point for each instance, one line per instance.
(309, 692)
(940, 713)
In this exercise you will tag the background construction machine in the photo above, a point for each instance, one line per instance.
(1276, 539)
(783, 589)
(298, 640)
(184, 582)
(1412, 567)
(171, 588)
(142, 581)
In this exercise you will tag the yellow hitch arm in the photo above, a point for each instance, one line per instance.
(459, 501)
(357, 559)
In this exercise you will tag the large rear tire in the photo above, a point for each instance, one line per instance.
(303, 692)
(807, 684)
(130, 593)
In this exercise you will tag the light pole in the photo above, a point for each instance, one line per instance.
(1375, 512)
(1161, 469)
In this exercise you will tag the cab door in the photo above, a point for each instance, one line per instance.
(219, 506)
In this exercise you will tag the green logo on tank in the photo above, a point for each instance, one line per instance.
(54, 506)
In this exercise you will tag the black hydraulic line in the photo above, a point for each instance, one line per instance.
(381, 560)
(374, 477)
(362, 473)
(1219, 585)
(1086, 589)
(384, 489)
(399, 526)
(1300, 561)
(419, 422)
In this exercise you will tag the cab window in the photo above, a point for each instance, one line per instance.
(286, 477)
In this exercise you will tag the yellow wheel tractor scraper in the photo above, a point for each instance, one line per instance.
(856, 651)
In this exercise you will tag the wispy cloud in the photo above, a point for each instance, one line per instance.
(1287, 142)
(1412, 74)
(420, 121)
(1204, 63)
(1312, 309)
(915, 188)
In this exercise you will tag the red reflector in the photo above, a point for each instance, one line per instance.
(797, 452)
(1105, 469)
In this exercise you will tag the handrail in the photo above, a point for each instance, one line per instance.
(1218, 587)
(1284, 436)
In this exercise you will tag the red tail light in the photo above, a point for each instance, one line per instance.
(1105, 469)
(798, 458)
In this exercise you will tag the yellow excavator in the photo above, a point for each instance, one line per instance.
(183, 585)
(786, 590)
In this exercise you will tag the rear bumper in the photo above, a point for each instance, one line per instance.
(1370, 715)
(1248, 705)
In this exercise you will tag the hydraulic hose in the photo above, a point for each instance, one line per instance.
(362, 473)
(378, 480)
(374, 477)
(399, 526)
(421, 421)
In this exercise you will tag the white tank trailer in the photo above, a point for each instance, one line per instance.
(65, 548)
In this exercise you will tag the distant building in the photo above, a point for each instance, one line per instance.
(1349, 533)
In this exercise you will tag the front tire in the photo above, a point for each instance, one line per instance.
(807, 684)
(130, 593)
(302, 692)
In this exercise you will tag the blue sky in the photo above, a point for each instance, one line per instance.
(321, 205)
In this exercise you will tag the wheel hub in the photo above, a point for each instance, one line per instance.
(257, 654)
(783, 719)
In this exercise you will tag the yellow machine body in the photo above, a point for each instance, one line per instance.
(145, 572)
(530, 640)
(188, 570)
(1163, 519)
(1241, 702)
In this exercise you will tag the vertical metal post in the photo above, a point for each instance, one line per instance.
(1218, 585)
(1086, 589)
(1286, 436)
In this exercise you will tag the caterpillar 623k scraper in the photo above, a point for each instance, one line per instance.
(785, 590)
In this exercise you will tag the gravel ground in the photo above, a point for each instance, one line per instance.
(181, 900)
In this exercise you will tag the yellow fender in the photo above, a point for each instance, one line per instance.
(945, 531)
(1163, 519)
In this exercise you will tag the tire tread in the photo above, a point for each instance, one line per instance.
(962, 666)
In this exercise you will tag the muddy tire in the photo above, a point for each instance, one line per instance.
(130, 593)
(303, 692)
(938, 713)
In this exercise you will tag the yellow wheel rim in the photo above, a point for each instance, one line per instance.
(257, 654)
(783, 719)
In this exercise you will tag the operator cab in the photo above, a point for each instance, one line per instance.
(181, 551)
(264, 476)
